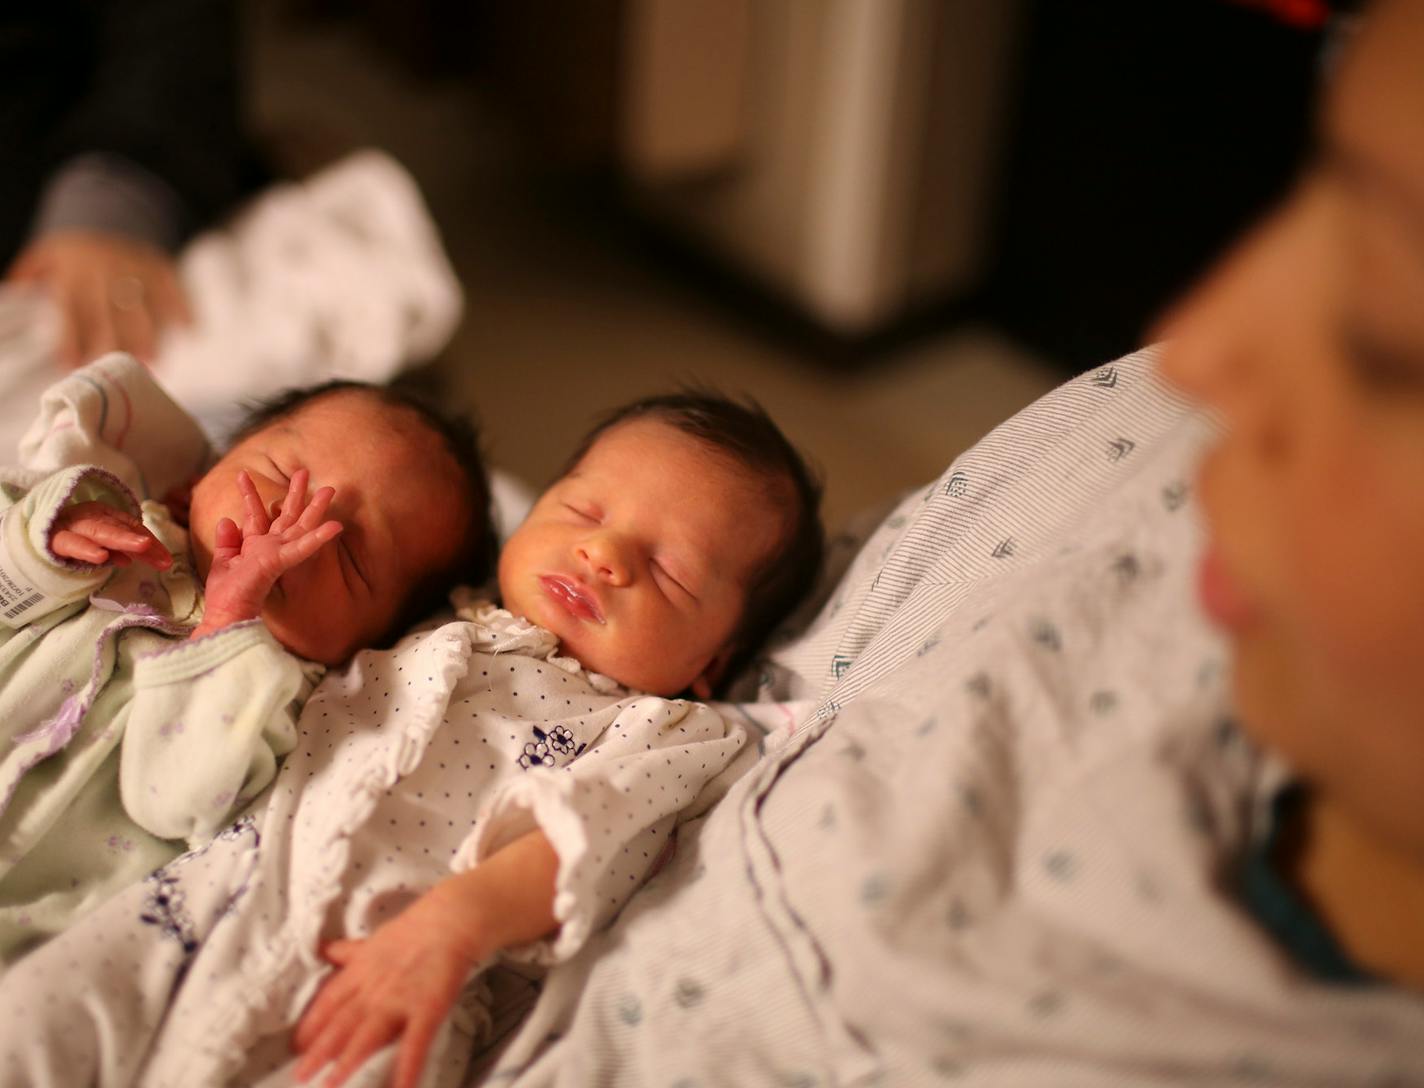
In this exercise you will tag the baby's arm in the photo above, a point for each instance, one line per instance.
(102, 534)
(247, 562)
(650, 765)
(401, 982)
(60, 537)
(209, 722)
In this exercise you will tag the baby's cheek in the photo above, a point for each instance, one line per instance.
(313, 633)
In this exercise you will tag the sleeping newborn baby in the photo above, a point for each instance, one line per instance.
(542, 750)
(151, 677)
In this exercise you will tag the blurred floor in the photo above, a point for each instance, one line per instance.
(565, 317)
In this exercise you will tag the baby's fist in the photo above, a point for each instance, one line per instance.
(95, 532)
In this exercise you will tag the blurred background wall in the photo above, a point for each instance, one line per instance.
(894, 221)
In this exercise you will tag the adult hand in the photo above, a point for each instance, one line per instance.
(113, 293)
(399, 983)
(95, 532)
(247, 562)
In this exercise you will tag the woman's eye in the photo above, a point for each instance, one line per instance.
(1380, 366)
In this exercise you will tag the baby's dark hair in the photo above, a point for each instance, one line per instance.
(741, 429)
(473, 561)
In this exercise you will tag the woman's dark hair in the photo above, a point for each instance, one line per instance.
(473, 561)
(741, 429)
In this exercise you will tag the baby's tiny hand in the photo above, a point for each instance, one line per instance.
(398, 984)
(95, 532)
(247, 562)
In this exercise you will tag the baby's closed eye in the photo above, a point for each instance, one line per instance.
(583, 512)
(673, 581)
(348, 559)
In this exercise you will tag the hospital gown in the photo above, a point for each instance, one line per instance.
(1004, 849)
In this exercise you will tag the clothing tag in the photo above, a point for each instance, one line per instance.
(17, 597)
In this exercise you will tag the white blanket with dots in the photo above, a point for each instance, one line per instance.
(411, 763)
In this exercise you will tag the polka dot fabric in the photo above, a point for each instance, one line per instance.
(409, 762)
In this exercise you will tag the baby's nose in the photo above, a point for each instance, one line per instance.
(606, 558)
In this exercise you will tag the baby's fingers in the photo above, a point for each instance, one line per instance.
(316, 510)
(294, 502)
(328, 1000)
(374, 1032)
(255, 522)
(414, 1046)
(70, 545)
(227, 539)
(307, 545)
(323, 1032)
(112, 535)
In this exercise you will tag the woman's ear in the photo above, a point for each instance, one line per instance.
(711, 675)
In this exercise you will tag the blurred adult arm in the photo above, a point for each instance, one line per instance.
(145, 146)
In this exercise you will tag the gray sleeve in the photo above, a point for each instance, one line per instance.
(110, 194)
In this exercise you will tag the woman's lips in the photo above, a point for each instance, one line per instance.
(575, 599)
(1221, 595)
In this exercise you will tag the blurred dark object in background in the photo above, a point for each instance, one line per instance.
(859, 169)
(1146, 137)
(552, 66)
(154, 85)
(433, 38)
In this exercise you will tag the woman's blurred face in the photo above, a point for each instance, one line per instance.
(1309, 342)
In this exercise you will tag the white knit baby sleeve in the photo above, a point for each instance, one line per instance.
(211, 718)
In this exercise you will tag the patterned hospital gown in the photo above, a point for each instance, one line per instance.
(410, 763)
(1001, 849)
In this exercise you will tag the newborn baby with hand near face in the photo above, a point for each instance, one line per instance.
(150, 677)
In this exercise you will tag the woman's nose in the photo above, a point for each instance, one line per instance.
(1226, 340)
(1217, 357)
(1204, 355)
(605, 557)
(1197, 360)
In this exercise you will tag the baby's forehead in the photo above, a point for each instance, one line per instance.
(356, 415)
(646, 442)
(364, 405)
(752, 487)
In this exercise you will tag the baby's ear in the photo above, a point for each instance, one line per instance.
(711, 675)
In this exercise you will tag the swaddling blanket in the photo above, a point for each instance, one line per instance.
(411, 762)
(341, 275)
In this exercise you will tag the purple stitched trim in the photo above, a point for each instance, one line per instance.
(59, 730)
(180, 647)
(108, 604)
(88, 473)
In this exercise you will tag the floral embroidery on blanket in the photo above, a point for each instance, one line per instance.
(166, 905)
